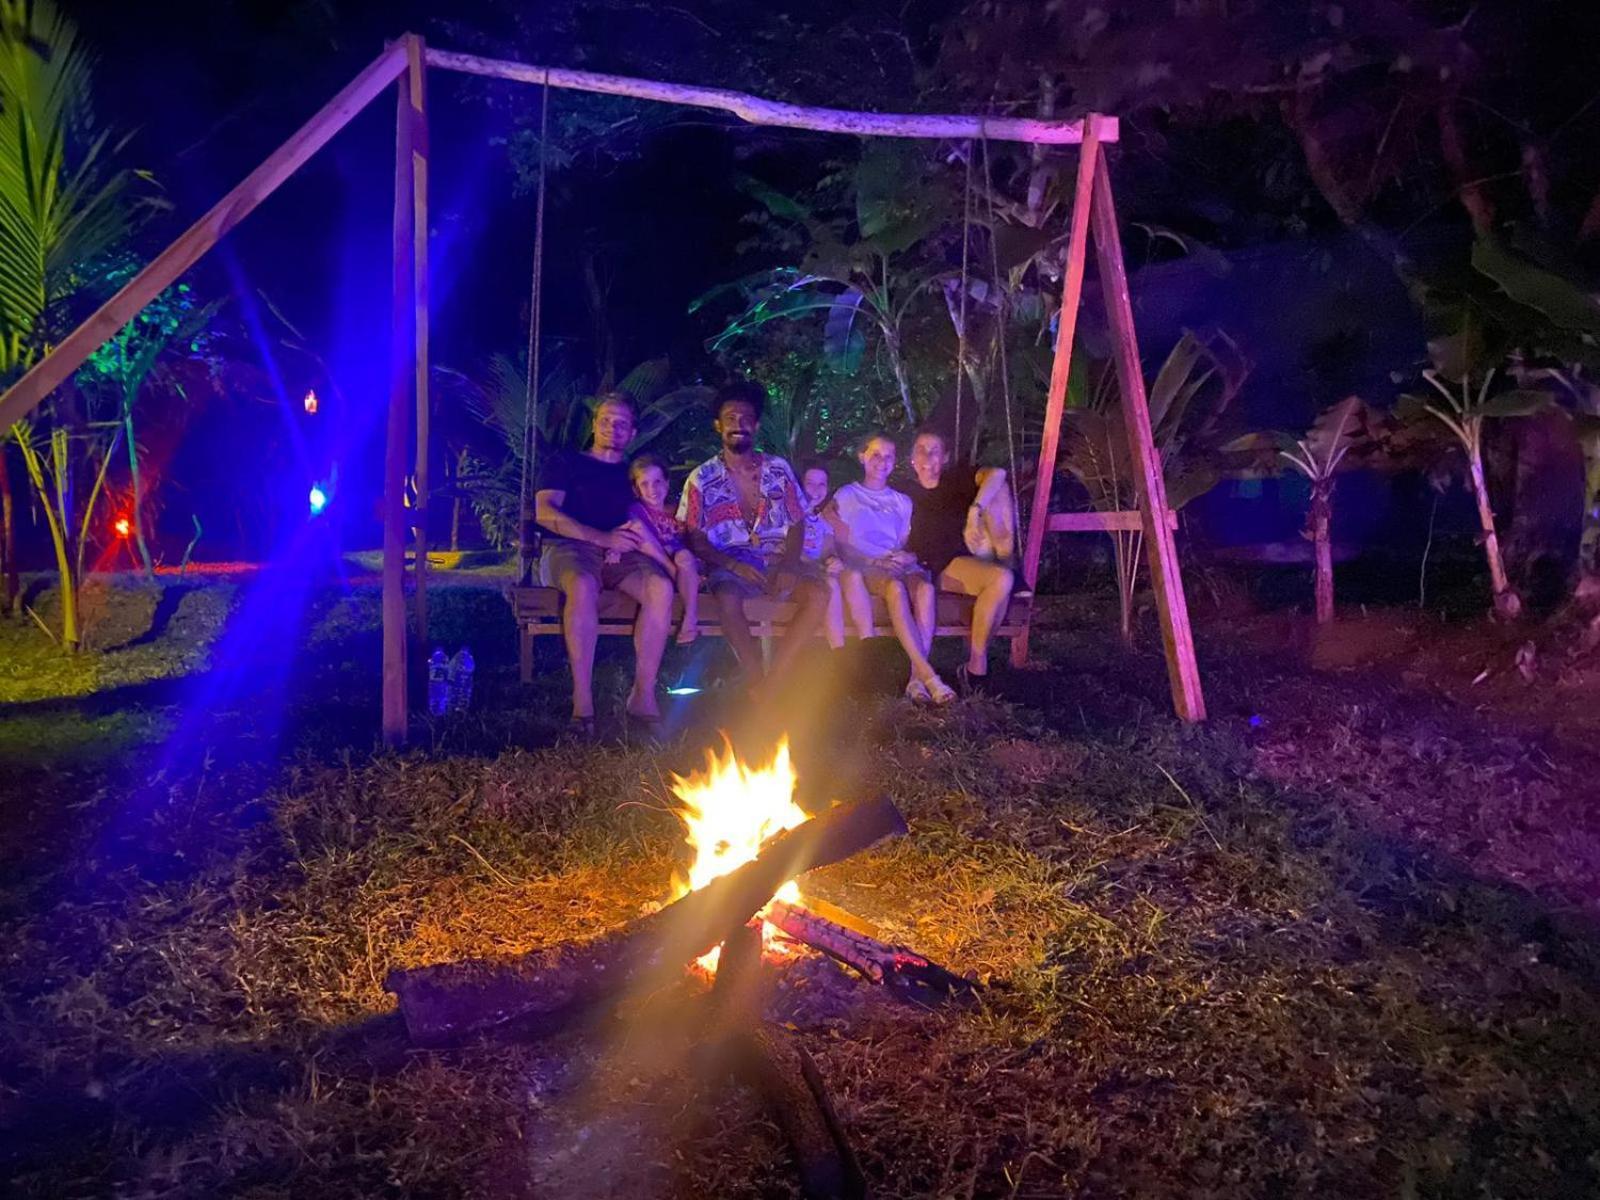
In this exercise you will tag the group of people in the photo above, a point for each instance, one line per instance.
(746, 526)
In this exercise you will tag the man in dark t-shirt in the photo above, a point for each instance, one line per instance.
(581, 502)
(963, 529)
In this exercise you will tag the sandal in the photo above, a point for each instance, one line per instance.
(940, 693)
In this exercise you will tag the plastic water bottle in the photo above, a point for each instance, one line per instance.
(460, 681)
(438, 682)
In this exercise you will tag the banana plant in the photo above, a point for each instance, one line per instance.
(1339, 430)
(1461, 407)
(851, 267)
(1095, 449)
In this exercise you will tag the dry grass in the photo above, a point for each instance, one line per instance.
(1205, 981)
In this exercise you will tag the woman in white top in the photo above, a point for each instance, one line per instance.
(871, 523)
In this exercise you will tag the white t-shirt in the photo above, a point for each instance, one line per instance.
(879, 522)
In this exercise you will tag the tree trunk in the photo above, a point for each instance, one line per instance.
(1126, 561)
(605, 346)
(1471, 193)
(137, 516)
(10, 580)
(1589, 544)
(1322, 545)
(55, 515)
(1507, 603)
(455, 504)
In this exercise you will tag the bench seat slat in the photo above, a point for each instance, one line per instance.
(538, 614)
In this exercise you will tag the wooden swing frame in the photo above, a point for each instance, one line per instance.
(404, 64)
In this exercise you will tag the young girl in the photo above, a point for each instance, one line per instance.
(662, 539)
(820, 549)
(872, 522)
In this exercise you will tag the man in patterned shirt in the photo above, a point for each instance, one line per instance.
(743, 515)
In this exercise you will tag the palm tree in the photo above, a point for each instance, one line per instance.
(60, 209)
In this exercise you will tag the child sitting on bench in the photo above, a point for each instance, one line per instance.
(819, 548)
(873, 521)
(661, 538)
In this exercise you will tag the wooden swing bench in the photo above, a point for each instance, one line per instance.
(538, 614)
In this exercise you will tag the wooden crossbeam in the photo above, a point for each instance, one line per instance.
(758, 111)
(1122, 521)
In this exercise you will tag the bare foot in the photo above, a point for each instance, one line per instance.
(688, 634)
(642, 705)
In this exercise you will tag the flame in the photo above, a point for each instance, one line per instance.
(728, 811)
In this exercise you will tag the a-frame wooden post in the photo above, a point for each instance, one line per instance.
(1092, 205)
(417, 78)
(1165, 574)
(403, 350)
(1061, 365)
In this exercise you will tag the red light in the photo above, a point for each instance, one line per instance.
(311, 401)
(123, 526)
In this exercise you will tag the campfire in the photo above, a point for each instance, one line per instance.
(738, 904)
(728, 813)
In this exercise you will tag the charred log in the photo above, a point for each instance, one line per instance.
(538, 992)
(776, 1067)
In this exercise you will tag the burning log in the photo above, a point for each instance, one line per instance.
(538, 992)
(777, 1068)
(852, 942)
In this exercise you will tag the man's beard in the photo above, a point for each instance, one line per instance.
(738, 442)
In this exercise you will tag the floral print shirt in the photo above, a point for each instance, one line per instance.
(710, 504)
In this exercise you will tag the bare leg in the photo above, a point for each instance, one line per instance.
(925, 604)
(905, 629)
(991, 584)
(736, 630)
(857, 603)
(688, 573)
(580, 626)
(811, 610)
(654, 594)
(833, 626)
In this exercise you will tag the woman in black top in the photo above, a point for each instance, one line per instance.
(956, 510)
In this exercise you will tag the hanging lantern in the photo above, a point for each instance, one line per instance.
(123, 526)
(311, 402)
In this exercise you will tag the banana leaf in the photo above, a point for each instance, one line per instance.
(1517, 403)
(842, 342)
(1563, 303)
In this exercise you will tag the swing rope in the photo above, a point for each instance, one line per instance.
(1001, 301)
(961, 323)
(528, 538)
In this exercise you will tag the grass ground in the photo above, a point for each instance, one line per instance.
(1324, 944)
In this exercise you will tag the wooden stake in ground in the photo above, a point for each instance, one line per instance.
(777, 1068)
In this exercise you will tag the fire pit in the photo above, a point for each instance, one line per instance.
(738, 905)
